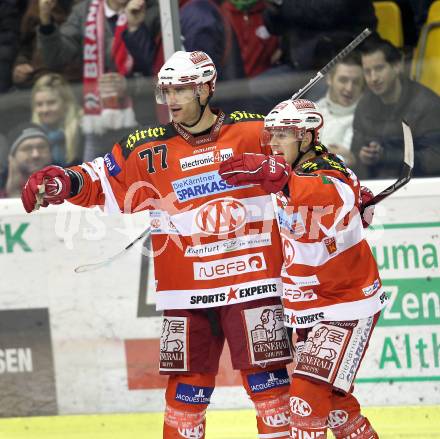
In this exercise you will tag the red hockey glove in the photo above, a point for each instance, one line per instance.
(50, 185)
(367, 213)
(271, 172)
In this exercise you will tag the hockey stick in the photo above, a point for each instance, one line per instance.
(345, 51)
(405, 173)
(90, 267)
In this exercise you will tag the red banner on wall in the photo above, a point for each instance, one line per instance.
(142, 357)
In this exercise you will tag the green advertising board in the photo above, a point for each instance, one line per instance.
(405, 345)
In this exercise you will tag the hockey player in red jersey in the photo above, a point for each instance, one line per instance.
(332, 292)
(217, 254)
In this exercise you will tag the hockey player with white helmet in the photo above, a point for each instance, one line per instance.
(217, 278)
(332, 292)
(180, 82)
(292, 120)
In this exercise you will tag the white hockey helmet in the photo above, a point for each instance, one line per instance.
(296, 117)
(185, 69)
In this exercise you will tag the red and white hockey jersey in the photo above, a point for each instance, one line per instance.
(214, 244)
(329, 272)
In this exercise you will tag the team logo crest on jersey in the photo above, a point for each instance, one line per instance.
(267, 336)
(221, 216)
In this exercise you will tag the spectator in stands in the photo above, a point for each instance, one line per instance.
(258, 48)
(59, 44)
(392, 97)
(345, 85)
(54, 107)
(202, 27)
(308, 28)
(98, 30)
(29, 150)
(9, 36)
(29, 65)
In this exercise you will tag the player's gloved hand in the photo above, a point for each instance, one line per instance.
(271, 172)
(366, 213)
(50, 185)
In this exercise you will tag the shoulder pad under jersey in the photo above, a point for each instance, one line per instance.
(323, 162)
(243, 116)
(143, 135)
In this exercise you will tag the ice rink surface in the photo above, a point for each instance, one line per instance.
(421, 422)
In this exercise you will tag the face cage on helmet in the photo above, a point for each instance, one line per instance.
(180, 94)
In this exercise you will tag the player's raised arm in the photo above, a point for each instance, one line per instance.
(117, 182)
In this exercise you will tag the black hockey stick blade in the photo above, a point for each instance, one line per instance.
(95, 266)
(405, 173)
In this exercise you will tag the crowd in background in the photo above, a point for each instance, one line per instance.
(74, 76)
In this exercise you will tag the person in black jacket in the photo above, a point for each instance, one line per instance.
(310, 28)
(203, 28)
(390, 98)
(9, 35)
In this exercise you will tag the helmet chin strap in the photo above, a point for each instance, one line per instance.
(202, 110)
(301, 154)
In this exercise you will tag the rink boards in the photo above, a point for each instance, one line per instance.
(88, 343)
